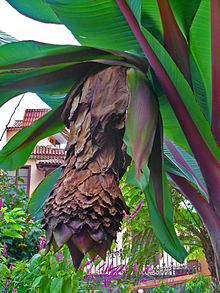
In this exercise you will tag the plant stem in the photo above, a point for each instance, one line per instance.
(174, 42)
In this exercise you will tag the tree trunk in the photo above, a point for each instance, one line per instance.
(85, 208)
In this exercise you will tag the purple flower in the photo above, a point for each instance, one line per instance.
(147, 268)
(2, 217)
(13, 290)
(59, 256)
(116, 268)
(106, 269)
(105, 283)
(133, 215)
(66, 261)
(1, 203)
(135, 267)
(87, 262)
(137, 209)
(110, 267)
(4, 250)
(120, 269)
(102, 266)
(118, 288)
(41, 245)
(11, 268)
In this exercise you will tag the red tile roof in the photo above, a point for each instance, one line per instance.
(47, 155)
(47, 152)
(52, 162)
(30, 116)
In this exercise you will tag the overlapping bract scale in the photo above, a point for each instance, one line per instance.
(85, 208)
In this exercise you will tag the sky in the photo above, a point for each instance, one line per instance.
(24, 28)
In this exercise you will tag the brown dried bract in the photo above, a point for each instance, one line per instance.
(85, 207)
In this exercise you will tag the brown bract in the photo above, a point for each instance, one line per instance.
(85, 208)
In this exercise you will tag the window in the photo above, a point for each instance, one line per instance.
(23, 174)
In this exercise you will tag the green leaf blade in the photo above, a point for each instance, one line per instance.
(36, 9)
(52, 70)
(38, 197)
(90, 20)
(153, 182)
(159, 202)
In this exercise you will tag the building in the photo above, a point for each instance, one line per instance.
(47, 155)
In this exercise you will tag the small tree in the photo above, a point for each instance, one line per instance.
(192, 231)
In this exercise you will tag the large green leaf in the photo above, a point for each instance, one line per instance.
(178, 160)
(200, 49)
(153, 183)
(17, 151)
(184, 11)
(52, 70)
(171, 126)
(38, 197)
(150, 18)
(90, 21)
(159, 202)
(36, 9)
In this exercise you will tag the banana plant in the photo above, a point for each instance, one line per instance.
(162, 58)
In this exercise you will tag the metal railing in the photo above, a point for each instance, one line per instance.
(167, 267)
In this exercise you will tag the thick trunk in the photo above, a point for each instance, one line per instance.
(85, 207)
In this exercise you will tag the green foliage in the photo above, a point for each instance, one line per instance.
(171, 244)
(42, 274)
(190, 227)
(139, 241)
(198, 284)
(164, 288)
(16, 230)
(55, 273)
